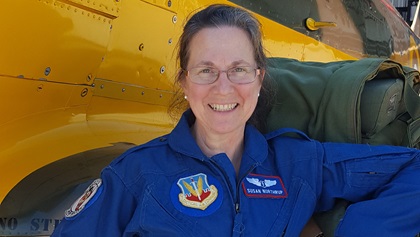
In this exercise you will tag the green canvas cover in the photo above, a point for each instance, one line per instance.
(326, 100)
(371, 100)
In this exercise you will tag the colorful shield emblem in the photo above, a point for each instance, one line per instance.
(85, 200)
(196, 191)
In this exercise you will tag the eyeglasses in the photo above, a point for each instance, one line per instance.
(237, 75)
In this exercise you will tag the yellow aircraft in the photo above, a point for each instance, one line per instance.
(84, 80)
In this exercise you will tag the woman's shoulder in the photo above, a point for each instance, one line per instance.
(293, 143)
(287, 132)
(142, 150)
(150, 157)
(289, 137)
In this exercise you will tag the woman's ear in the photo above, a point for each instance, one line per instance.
(262, 74)
(181, 76)
(183, 86)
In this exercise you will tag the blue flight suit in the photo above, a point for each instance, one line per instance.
(168, 187)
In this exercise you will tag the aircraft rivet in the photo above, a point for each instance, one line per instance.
(174, 19)
(123, 90)
(142, 93)
(141, 47)
(162, 69)
(169, 3)
(102, 86)
(170, 41)
(47, 71)
(89, 77)
(84, 92)
(40, 87)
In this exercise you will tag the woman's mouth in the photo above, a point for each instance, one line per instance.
(224, 107)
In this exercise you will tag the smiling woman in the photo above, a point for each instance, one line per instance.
(236, 45)
(222, 107)
(216, 174)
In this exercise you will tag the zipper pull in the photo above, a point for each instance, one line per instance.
(238, 227)
(237, 207)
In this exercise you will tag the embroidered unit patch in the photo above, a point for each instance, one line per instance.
(84, 201)
(197, 195)
(263, 186)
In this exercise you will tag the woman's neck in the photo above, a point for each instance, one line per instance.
(232, 143)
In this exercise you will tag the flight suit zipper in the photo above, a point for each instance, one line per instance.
(238, 222)
(238, 187)
(236, 199)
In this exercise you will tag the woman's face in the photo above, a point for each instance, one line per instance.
(223, 106)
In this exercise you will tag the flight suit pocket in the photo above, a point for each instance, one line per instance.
(372, 172)
(297, 209)
(159, 218)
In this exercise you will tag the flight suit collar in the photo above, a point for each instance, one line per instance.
(182, 141)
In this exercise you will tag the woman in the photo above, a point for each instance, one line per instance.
(215, 174)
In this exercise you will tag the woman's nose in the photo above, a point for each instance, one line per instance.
(223, 84)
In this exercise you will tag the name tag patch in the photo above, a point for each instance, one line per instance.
(263, 186)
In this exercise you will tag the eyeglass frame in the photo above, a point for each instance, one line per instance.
(257, 72)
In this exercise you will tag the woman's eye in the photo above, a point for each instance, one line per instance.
(241, 70)
(205, 70)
